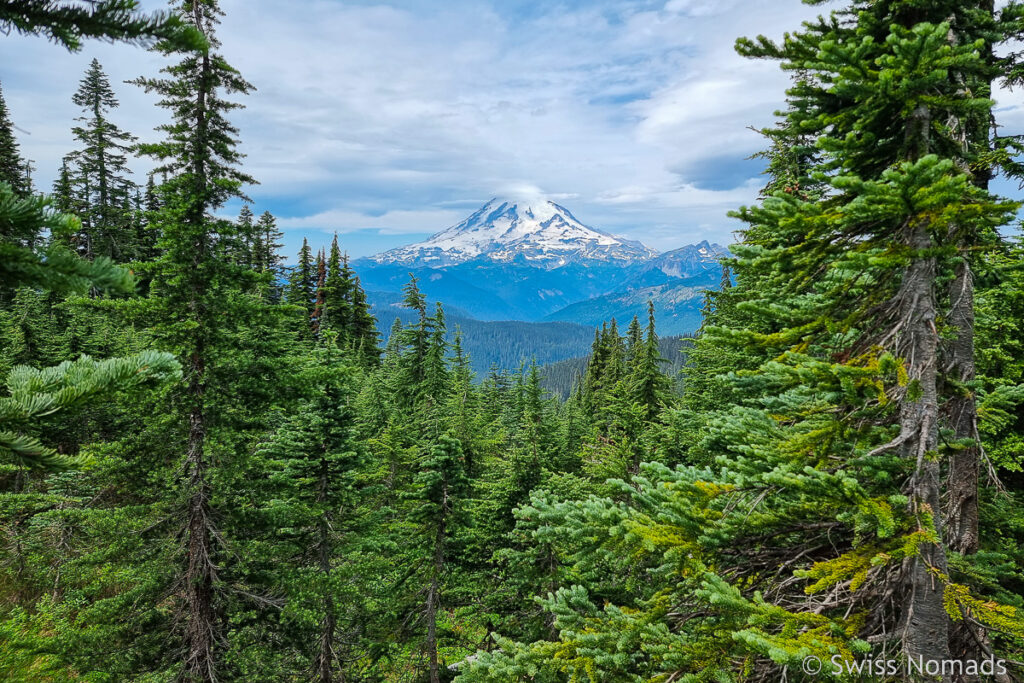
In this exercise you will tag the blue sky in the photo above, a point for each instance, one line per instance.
(387, 122)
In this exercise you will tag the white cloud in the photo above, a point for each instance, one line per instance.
(404, 117)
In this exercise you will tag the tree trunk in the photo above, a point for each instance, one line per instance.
(962, 512)
(433, 593)
(200, 662)
(325, 658)
(967, 641)
(924, 622)
(432, 629)
(202, 627)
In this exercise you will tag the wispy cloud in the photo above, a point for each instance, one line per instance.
(400, 118)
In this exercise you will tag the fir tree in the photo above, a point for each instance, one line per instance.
(439, 510)
(200, 157)
(268, 239)
(63, 193)
(648, 386)
(302, 285)
(365, 339)
(315, 460)
(245, 251)
(320, 299)
(11, 164)
(338, 294)
(99, 171)
(112, 20)
(415, 342)
(833, 432)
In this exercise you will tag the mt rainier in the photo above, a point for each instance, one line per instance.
(532, 260)
(539, 232)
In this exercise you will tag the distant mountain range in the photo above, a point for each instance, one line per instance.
(533, 261)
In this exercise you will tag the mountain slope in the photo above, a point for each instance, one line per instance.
(504, 344)
(531, 231)
(560, 377)
(532, 260)
(677, 305)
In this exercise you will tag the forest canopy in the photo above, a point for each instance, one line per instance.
(213, 467)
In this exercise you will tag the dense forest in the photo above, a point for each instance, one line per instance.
(560, 378)
(212, 468)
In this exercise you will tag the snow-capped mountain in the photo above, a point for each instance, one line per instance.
(537, 232)
(532, 260)
(689, 260)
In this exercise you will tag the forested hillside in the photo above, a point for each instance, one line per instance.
(561, 378)
(211, 471)
(500, 345)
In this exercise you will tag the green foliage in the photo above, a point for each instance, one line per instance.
(305, 505)
(11, 164)
(35, 394)
(53, 267)
(98, 175)
(68, 23)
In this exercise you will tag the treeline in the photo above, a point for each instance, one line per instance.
(561, 377)
(490, 344)
(250, 488)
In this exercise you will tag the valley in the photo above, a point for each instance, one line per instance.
(525, 274)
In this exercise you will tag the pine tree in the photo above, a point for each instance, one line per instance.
(302, 285)
(315, 461)
(338, 294)
(200, 157)
(99, 171)
(11, 164)
(439, 488)
(268, 237)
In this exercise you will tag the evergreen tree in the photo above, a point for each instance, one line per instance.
(436, 379)
(415, 343)
(113, 20)
(648, 386)
(364, 327)
(315, 462)
(439, 488)
(99, 171)
(244, 252)
(634, 340)
(11, 164)
(63, 193)
(302, 285)
(320, 298)
(830, 451)
(268, 239)
(200, 157)
(338, 294)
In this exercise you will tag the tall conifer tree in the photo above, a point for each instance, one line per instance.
(200, 158)
(11, 164)
(302, 285)
(99, 171)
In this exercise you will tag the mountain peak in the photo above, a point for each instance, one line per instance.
(533, 229)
